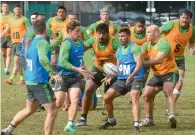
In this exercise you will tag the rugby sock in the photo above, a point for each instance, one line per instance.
(171, 115)
(12, 76)
(136, 123)
(111, 119)
(84, 116)
(10, 128)
(5, 69)
(21, 77)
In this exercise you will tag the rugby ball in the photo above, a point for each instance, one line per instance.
(110, 69)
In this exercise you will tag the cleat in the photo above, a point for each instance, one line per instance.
(5, 132)
(107, 124)
(70, 128)
(81, 122)
(147, 123)
(6, 72)
(9, 81)
(172, 123)
(137, 129)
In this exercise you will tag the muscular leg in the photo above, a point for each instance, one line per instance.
(148, 96)
(51, 116)
(178, 87)
(109, 96)
(90, 88)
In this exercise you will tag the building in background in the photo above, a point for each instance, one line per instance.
(122, 12)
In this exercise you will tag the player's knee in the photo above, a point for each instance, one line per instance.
(107, 99)
(53, 113)
(59, 104)
(4, 55)
(146, 97)
(75, 100)
(135, 95)
(88, 93)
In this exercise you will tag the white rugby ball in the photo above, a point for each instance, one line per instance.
(110, 69)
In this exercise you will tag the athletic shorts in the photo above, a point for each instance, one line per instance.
(180, 64)
(41, 93)
(121, 87)
(159, 80)
(16, 49)
(56, 50)
(6, 43)
(68, 81)
(98, 76)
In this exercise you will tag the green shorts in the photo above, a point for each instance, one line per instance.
(6, 42)
(68, 81)
(180, 64)
(98, 76)
(121, 87)
(159, 80)
(41, 93)
(16, 49)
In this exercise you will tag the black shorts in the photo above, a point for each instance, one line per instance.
(121, 87)
(159, 80)
(41, 93)
(68, 82)
(98, 76)
(16, 49)
(180, 64)
(6, 43)
(56, 50)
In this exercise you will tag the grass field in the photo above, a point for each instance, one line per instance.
(13, 99)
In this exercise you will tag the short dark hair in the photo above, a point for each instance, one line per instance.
(35, 13)
(39, 14)
(39, 27)
(17, 5)
(187, 12)
(102, 27)
(61, 7)
(126, 30)
(140, 20)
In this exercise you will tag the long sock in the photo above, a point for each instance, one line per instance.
(12, 76)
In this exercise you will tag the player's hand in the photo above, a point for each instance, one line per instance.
(107, 79)
(192, 51)
(129, 79)
(85, 73)
(57, 78)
